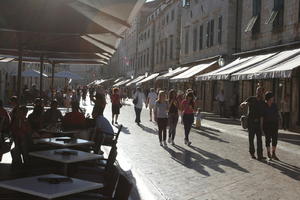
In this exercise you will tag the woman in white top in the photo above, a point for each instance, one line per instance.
(152, 97)
(138, 101)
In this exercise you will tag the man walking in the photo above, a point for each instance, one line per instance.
(151, 100)
(255, 113)
(221, 100)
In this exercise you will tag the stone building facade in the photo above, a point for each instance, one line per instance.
(167, 20)
(209, 29)
(272, 26)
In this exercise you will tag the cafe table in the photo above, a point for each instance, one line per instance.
(64, 141)
(65, 156)
(49, 186)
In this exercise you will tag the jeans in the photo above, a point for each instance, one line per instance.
(162, 128)
(137, 114)
(173, 120)
(188, 120)
(271, 133)
(285, 120)
(20, 151)
(221, 108)
(255, 129)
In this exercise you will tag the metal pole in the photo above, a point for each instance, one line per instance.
(19, 74)
(52, 81)
(41, 75)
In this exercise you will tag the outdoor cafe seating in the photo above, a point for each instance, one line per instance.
(66, 166)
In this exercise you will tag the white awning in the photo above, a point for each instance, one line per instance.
(282, 70)
(254, 71)
(97, 82)
(172, 73)
(118, 80)
(121, 83)
(31, 73)
(139, 78)
(222, 73)
(185, 76)
(149, 78)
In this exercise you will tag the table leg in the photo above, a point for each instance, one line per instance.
(66, 169)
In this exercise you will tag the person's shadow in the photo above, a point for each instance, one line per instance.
(198, 161)
(148, 129)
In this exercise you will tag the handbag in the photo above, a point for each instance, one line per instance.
(135, 100)
(5, 146)
(244, 121)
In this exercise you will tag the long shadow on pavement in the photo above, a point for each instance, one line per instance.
(286, 169)
(148, 129)
(197, 161)
(211, 135)
(290, 138)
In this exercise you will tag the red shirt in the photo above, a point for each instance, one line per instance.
(186, 107)
(74, 119)
(115, 99)
(20, 128)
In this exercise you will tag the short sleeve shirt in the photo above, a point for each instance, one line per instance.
(152, 98)
(270, 113)
(103, 124)
(256, 108)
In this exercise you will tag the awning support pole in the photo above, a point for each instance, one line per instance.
(41, 75)
(19, 74)
(52, 81)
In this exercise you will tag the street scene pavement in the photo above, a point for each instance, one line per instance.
(216, 166)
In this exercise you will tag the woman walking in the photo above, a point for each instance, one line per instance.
(172, 115)
(188, 107)
(270, 124)
(138, 101)
(116, 104)
(161, 117)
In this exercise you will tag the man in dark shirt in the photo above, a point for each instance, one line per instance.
(255, 107)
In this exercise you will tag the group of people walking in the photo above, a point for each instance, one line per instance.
(165, 109)
(263, 118)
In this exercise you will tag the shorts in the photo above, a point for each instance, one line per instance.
(115, 109)
(151, 106)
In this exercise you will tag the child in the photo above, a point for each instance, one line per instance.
(199, 117)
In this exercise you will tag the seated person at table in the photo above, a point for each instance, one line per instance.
(36, 118)
(53, 115)
(74, 119)
(21, 133)
(104, 131)
(4, 127)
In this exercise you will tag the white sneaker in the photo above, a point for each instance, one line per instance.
(169, 140)
(165, 143)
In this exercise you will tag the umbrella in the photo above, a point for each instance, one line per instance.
(32, 73)
(67, 74)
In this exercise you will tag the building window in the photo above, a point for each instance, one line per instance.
(186, 3)
(254, 23)
(191, 14)
(276, 17)
(186, 41)
(208, 34)
(144, 64)
(212, 33)
(195, 38)
(201, 37)
(220, 27)
(172, 15)
(148, 57)
(157, 53)
(167, 19)
(166, 49)
(171, 47)
(161, 52)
